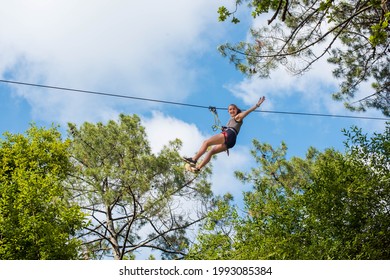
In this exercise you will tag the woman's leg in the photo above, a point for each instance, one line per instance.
(215, 150)
(218, 139)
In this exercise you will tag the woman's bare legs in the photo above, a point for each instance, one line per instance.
(218, 141)
(214, 150)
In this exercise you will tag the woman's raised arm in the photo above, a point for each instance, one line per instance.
(239, 117)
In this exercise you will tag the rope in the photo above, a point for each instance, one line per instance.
(217, 123)
(187, 104)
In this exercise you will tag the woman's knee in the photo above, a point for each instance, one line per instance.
(217, 149)
(207, 143)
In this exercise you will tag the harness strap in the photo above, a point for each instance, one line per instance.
(225, 135)
(230, 128)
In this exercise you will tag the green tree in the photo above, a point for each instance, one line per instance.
(216, 236)
(135, 199)
(328, 205)
(37, 221)
(355, 34)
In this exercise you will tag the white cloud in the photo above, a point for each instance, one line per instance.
(161, 129)
(142, 48)
(311, 91)
(313, 87)
(224, 166)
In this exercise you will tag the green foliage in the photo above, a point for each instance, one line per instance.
(328, 205)
(296, 27)
(126, 189)
(379, 33)
(223, 13)
(214, 241)
(37, 221)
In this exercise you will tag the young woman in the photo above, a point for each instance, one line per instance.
(225, 140)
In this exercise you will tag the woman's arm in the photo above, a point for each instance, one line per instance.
(239, 117)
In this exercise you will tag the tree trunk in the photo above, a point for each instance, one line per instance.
(113, 235)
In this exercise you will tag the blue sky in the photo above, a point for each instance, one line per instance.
(167, 52)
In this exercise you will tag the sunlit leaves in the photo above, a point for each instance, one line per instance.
(37, 219)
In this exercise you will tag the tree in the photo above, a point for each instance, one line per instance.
(37, 221)
(216, 236)
(355, 35)
(135, 199)
(327, 206)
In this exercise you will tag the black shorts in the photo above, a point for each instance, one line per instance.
(230, 138)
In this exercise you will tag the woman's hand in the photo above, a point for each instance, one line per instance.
(261, 100)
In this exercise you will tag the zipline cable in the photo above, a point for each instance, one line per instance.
(183, 104)
(100, 93)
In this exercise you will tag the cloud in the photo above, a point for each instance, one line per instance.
(161, 129)
(224, 166)
(315, 86)
(310, 93)
(143, 48)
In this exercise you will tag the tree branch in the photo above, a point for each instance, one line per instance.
(280, 54)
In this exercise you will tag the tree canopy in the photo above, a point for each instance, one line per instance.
(354, 35)
(328, 205)
(135, 199)
(37, 218)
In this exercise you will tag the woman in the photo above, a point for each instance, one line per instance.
(225, 140)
